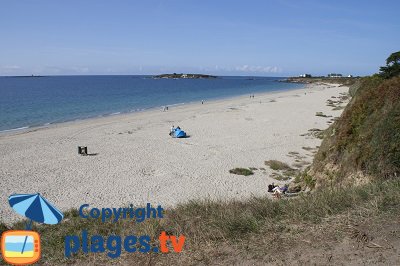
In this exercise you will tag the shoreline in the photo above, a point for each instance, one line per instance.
(56, 111)
(28, 128)
(137, 162)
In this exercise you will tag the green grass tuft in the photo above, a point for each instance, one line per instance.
(277, 165)
(241, 171)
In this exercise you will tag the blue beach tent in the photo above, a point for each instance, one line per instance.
(179, 133)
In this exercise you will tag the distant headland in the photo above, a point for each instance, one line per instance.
(31, 76)
(184, 76)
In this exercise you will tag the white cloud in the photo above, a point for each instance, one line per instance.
(9, 70)
(258, 69)
(10, 67)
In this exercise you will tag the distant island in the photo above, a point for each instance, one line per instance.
(31, 76)
(183, 76)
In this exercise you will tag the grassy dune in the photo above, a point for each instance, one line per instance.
(210, 225)
(365, 142)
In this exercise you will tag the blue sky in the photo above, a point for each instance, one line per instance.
(263, 38)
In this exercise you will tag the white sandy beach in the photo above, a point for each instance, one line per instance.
(138, 162)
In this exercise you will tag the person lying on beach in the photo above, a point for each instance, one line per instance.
(272, 186)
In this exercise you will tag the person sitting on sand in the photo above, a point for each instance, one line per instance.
(172, 130)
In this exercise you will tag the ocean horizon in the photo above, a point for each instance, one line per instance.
(34, 101)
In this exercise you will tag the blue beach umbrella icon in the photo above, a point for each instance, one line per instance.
(35, 208)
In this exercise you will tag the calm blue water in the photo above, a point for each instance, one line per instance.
(37, 101)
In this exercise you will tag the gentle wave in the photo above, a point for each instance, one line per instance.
(15, 129)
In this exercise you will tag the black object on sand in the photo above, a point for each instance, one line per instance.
(82, 150)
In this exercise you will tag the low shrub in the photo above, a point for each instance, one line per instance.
(241, 171)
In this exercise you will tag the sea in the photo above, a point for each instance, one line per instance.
(43, 100)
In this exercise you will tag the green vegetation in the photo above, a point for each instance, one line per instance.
(366, 138)
(308, 180)
(235, 223)
(315, 132)
(278, 165)
(338, 108)
(321, 114)
(338, 101)
(285, 172)
(280, 177)
(392, 68)
(354, 87)
(346, 81)
(365, 141)
(241, 171)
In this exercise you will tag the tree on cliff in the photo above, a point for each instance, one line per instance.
(392, 68)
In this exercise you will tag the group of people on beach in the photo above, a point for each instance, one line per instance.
(165, 108)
